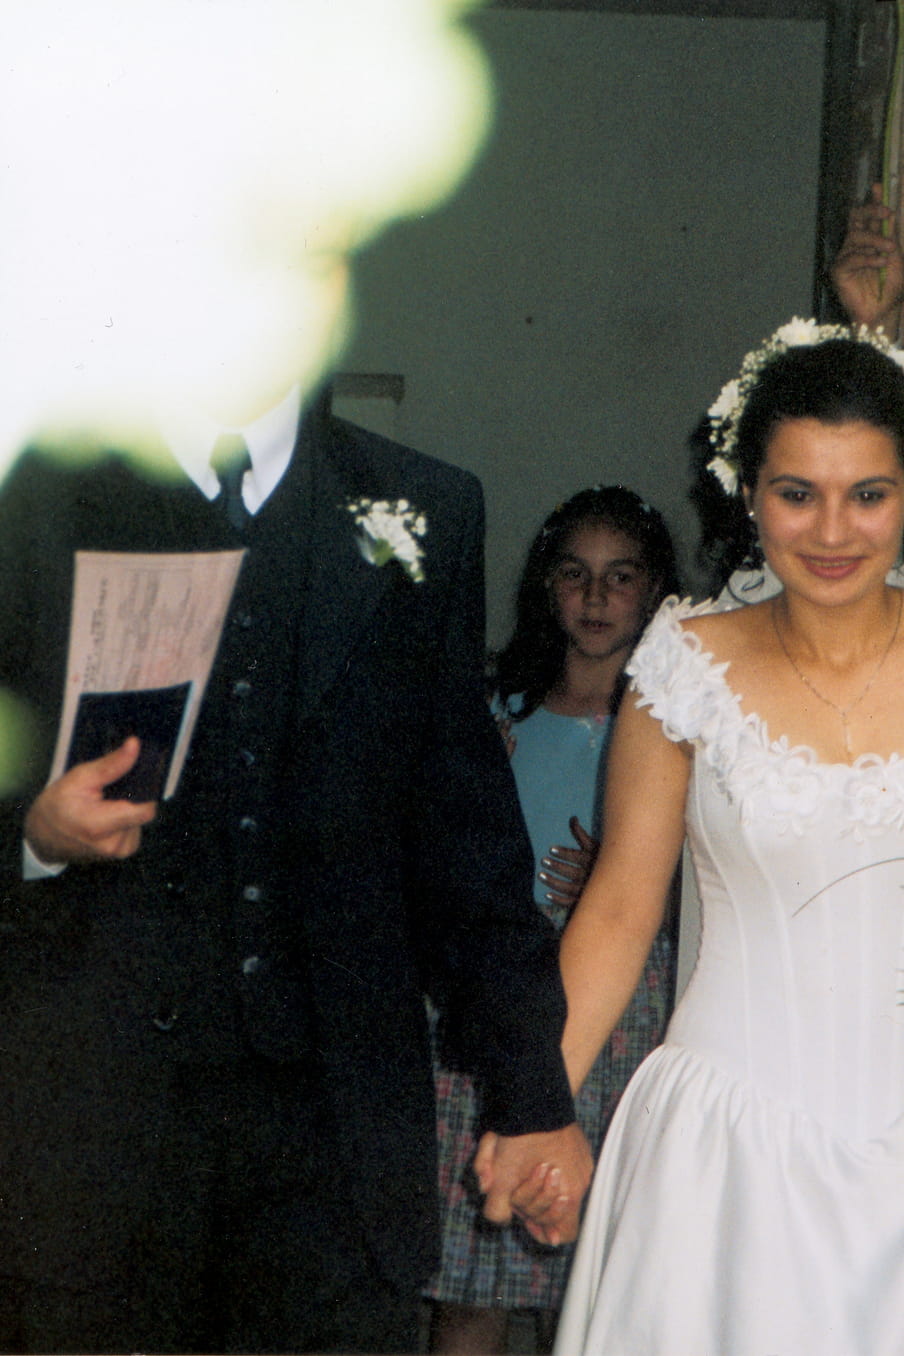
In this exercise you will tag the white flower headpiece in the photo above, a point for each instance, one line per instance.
(390, 530)
(725, 413)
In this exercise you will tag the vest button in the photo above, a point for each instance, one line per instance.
(251, 965)
(242, 688)
(253, 893)
(248, 824)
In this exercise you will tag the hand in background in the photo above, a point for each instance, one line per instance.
(868, 271)
(71, 821)
(539, 1178)
(565, 869)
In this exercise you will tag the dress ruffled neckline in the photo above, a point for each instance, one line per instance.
(687, 690)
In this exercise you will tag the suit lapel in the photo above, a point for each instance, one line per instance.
(343, 590)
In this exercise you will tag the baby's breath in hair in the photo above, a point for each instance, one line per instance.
(725, 413)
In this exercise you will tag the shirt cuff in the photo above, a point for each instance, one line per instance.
(34, 869)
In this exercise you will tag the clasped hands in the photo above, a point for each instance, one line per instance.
(539, 1179)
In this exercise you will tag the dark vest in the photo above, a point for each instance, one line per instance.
(241, 974)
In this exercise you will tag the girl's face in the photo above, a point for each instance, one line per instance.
(829, 507)
(600, 591)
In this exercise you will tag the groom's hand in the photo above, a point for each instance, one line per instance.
(72, 821)
(540, 1178)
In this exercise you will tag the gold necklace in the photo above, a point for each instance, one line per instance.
(843, 711)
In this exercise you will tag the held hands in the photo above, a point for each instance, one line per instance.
(539, 1178)
(71, 821)
(868, 271)
(566, 869)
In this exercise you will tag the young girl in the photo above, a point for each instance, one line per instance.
(595, 573)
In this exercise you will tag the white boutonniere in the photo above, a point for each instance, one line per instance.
(391, 530)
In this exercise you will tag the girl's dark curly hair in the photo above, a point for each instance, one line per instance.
(534, 659)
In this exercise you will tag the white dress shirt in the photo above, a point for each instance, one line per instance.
(191, 436)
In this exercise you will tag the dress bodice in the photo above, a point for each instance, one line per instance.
(799, 983)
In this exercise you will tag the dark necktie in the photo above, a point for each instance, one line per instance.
(230, 461)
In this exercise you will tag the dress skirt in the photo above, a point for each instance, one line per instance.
(723, 1222)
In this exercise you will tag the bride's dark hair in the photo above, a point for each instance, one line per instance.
(534, 658)
(835, 381)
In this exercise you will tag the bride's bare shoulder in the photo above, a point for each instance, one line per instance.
(731, 635)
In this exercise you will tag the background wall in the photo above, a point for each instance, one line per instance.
(645, 213)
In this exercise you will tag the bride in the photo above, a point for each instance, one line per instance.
(750, 1197)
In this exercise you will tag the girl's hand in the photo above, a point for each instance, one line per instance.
(504, 726)
(565, 869)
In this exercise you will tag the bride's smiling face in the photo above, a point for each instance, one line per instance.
(829, 507)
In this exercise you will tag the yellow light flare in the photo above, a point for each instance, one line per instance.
(185, 180)
(184, 183)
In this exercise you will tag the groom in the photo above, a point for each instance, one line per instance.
(217, 1122)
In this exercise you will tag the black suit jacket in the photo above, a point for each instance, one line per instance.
(397, 861)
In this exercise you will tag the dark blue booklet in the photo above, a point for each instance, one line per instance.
(104, 719)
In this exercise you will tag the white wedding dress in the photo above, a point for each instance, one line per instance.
(750, 1196)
